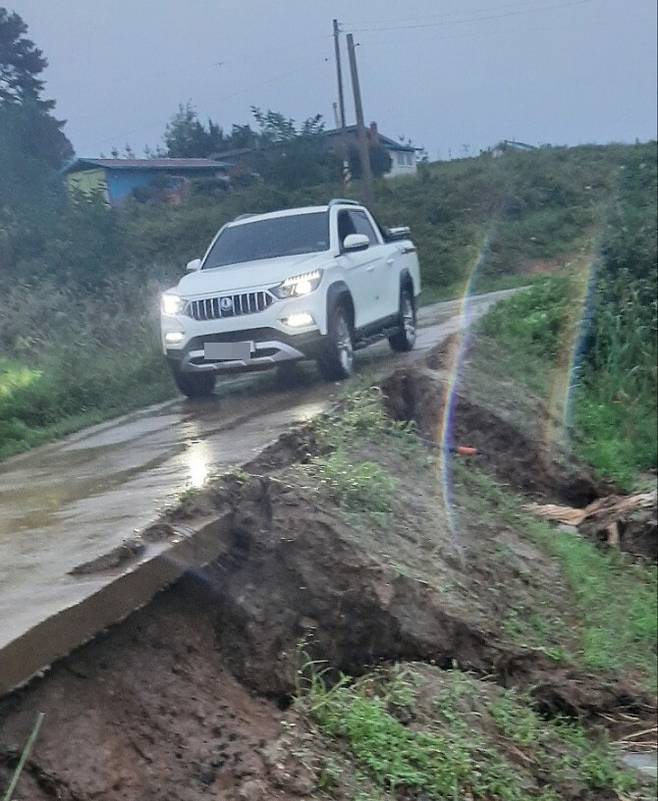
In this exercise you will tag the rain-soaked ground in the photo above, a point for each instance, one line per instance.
(67, 503)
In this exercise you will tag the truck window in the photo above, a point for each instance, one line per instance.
(289, 235)
(362, 226)
(345, 226)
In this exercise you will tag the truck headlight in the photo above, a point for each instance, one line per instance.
(172, 304)
(298, 285)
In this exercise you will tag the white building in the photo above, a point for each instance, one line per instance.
(403, 157)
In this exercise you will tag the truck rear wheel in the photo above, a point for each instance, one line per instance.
(337, 362)
(194, 385)
(405, 338)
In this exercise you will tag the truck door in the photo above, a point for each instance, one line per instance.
(364, 268)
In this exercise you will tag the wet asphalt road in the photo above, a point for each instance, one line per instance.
(69, 502)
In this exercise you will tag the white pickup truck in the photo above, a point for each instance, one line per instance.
(308, 283)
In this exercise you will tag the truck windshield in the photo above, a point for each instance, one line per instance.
(266, 239)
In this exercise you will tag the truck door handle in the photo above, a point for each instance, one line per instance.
(390, 262)
(370, 269)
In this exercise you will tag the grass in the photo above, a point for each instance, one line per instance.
(614, 627)
(617, 437)
(562, 746)
(38, 404)
(440, 764)
(362, 487)
(361, 419)
(9, 794)
(533, 324)
(359, 486)
(452, 751)
(616, 598)
(616, 399)
(613, 421)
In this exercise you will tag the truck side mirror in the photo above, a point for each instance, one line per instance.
(193, 266)
(356, 242)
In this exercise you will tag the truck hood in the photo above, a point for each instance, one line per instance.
(249, 274)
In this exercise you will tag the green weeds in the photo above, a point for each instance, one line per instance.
(362, 419)
(443, 764)
(356, 486)
(613, 599)
(561, 746)
(360, 486)
(63, 393)
(467, 744)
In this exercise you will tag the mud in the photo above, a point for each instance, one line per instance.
(298, 571)
(71, 502)
(123, 553)
(565, 691)
(418, 393)
(640, 536)
(148, 711)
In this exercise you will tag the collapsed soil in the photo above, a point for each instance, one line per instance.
(185, 699)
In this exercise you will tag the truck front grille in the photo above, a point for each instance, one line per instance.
(229, 305)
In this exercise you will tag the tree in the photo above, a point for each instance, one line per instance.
(289, 155)
(21, 62)
(186, 136)
(25, 121)
(274, 127)
(242, 136)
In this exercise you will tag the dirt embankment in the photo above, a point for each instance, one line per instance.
(187, 698)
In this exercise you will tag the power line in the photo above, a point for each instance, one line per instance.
(471, 35)
(444, 15)
(444, 24)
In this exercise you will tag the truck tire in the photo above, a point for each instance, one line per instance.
(405, 338)
(337, 361)
(194, 385)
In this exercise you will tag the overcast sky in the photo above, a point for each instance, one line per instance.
(461, 73)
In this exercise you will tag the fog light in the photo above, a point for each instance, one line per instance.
(174, 337)
(300, 319)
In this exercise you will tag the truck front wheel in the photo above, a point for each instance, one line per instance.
(337, 361)
(194, 385)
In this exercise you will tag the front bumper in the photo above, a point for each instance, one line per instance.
(269, 348)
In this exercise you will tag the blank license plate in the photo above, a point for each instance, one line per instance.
(227, 351)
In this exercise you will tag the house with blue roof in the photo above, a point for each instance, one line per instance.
(118, 179)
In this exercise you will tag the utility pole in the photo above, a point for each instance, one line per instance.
(339, 75)
(366, 172)
(340, 117)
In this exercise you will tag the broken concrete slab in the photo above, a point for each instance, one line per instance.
(106, 597)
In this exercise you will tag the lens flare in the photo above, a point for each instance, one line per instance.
(565, 374)
(563, 379)
(449, 401)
